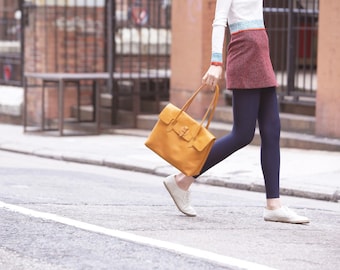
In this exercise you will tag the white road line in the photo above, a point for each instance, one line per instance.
(202, 254)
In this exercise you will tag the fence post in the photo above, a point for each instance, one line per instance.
(22, 39)
(291, 41)
(111, 10)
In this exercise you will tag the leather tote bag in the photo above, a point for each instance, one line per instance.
(181, 140)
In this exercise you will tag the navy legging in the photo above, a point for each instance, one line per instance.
(248, 106)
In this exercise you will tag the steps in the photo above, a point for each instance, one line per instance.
(125, 115)
(289, 122)
(297, 131)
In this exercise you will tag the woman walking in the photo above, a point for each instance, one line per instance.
(250, 76)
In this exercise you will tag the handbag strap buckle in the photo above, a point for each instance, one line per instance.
(183, 131)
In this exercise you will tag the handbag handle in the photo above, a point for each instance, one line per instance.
(210, 109)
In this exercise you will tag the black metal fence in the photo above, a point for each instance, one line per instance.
(10, 45)
(142, 35)
(293, 30)
(78, 34)
(141, 44)
(115, 36)
(138, 38)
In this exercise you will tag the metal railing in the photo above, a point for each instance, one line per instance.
(293, 29)
(142, 35)
(142, 41)
(129, 39)
(77, 35)
(70, 35)
(115, 36)
(10, 46)
(137, 39)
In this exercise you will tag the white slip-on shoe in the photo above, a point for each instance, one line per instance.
(180, 196)
(284, 214)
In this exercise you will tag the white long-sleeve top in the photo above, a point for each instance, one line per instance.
(240, 15)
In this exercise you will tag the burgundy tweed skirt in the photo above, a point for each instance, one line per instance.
(248, 61)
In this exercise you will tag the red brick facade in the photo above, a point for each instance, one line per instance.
(59, 43)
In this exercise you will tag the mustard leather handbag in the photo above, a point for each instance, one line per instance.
(182, 141)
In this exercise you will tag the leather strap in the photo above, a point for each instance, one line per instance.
(211, 109)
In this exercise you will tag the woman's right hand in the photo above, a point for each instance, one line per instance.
(212, 76)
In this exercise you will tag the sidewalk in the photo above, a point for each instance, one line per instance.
(304, 173)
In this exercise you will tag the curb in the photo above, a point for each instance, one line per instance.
(335, 197)
(254, 187)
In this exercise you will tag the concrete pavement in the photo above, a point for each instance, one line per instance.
(304, 173)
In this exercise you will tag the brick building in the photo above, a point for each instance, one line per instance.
(69, 36)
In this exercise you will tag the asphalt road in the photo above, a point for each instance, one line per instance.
(62, 215)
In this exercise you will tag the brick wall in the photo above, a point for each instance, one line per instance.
(59, 41)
